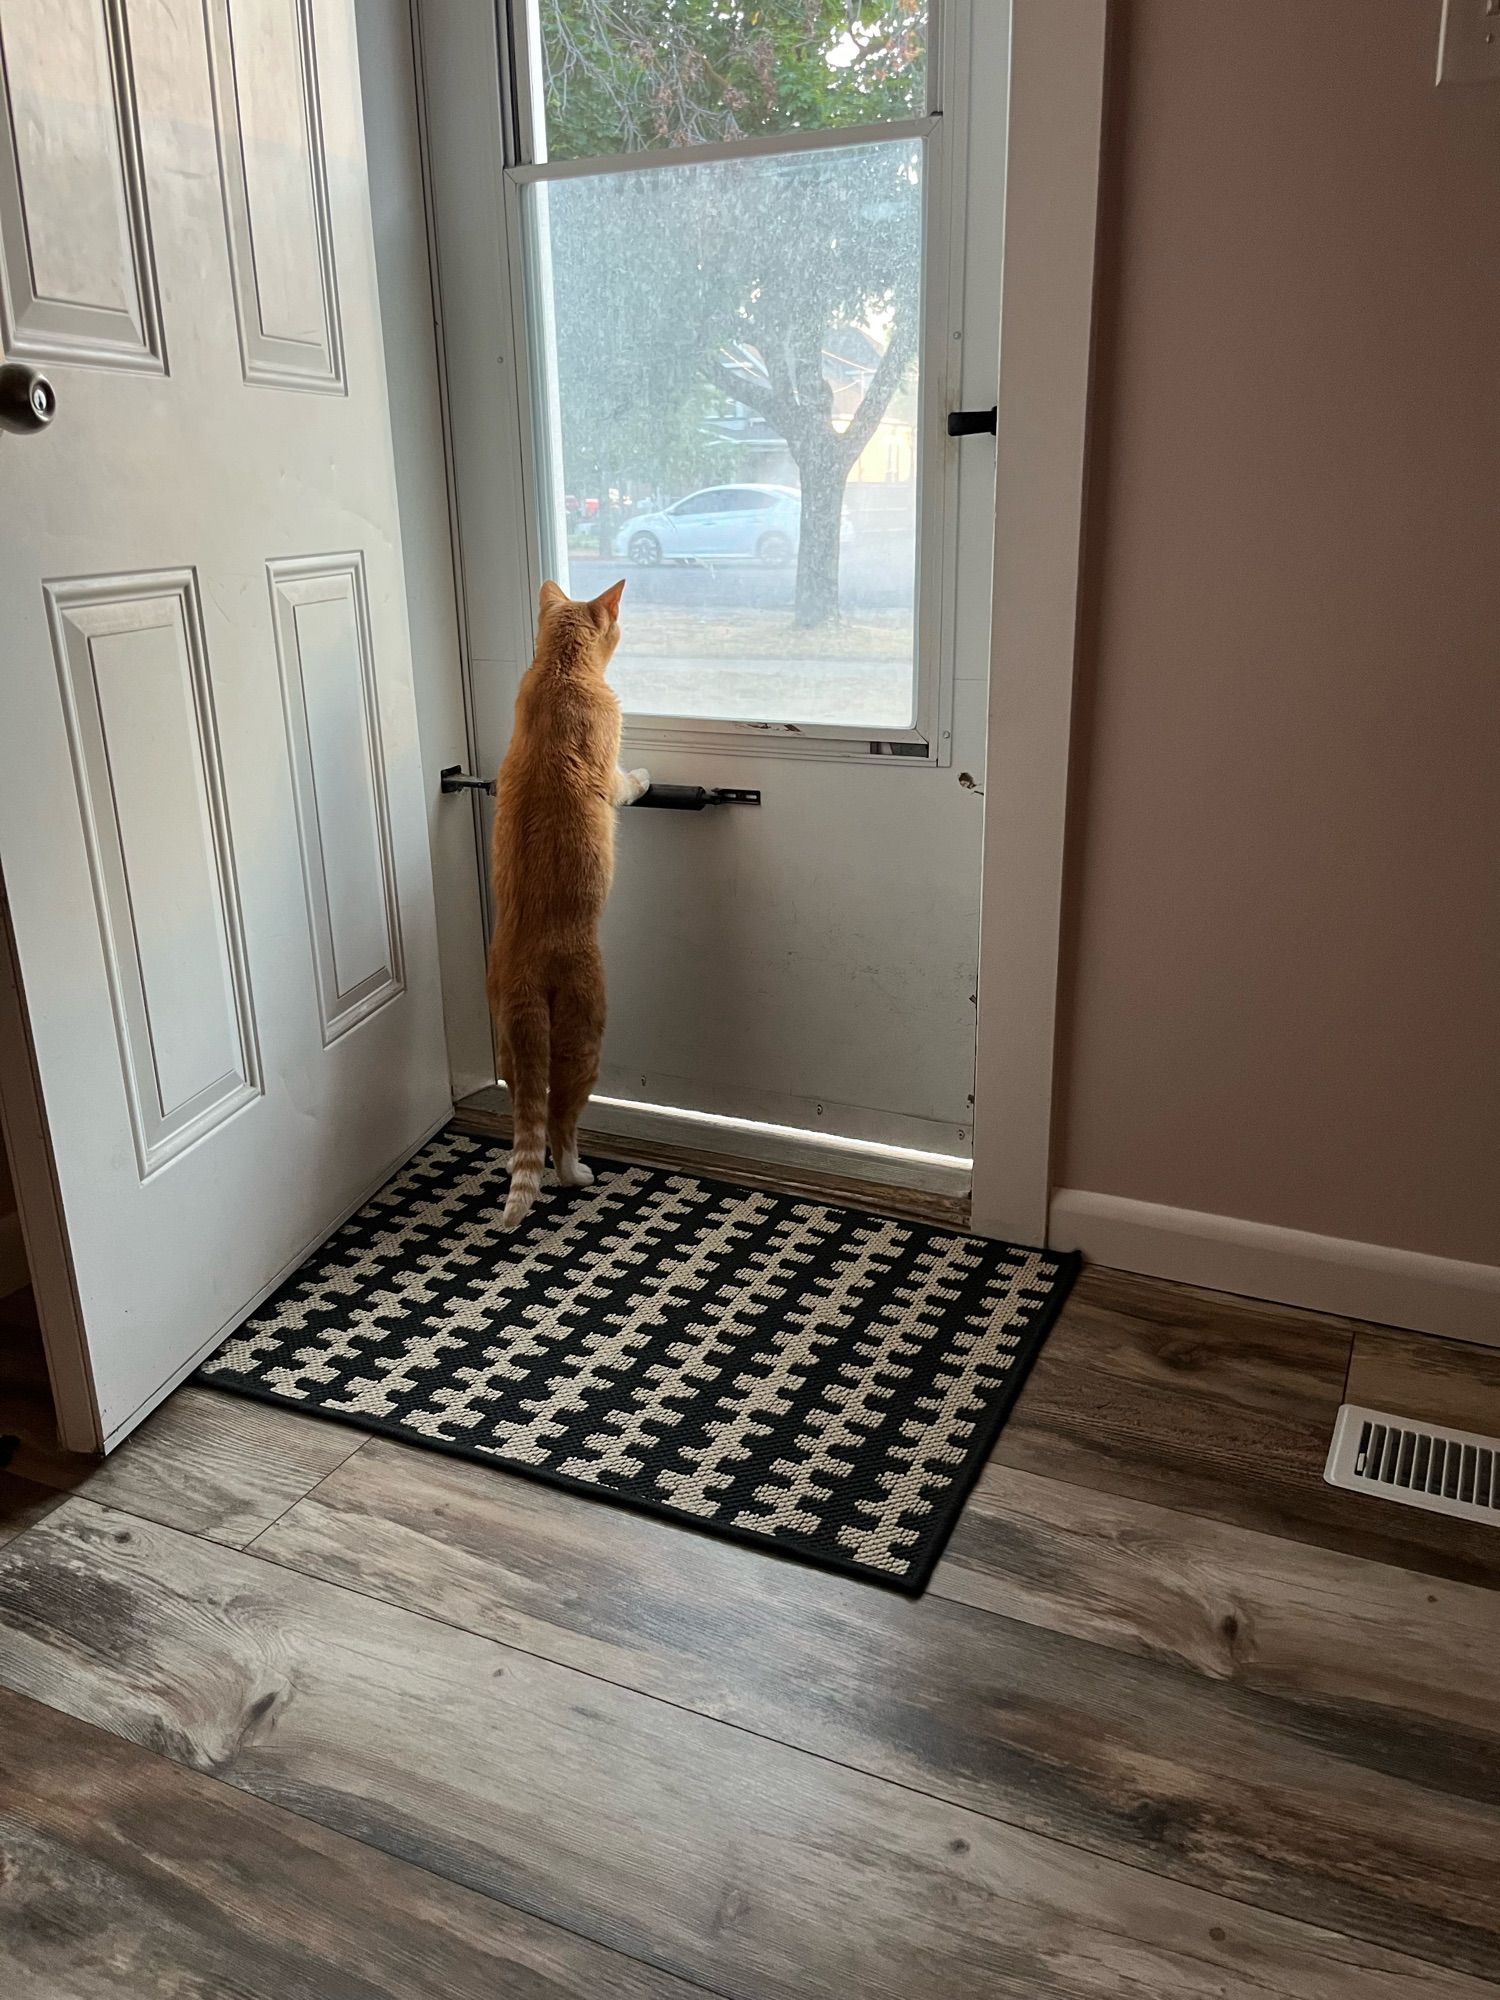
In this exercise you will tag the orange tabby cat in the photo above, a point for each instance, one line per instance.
(552, 856)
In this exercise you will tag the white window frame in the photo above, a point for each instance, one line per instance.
(942, 131)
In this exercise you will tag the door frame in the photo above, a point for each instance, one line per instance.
(1056, 99)
(1047, 292)
(40, 1212)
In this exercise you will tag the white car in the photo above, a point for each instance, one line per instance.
(720, 524)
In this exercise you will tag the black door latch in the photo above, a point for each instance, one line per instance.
(971, 423)
(454, 778)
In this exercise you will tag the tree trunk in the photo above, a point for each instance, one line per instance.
(817, 596)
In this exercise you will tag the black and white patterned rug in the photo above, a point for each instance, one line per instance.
(815, 1379)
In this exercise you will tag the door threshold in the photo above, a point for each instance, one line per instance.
(857, 1179)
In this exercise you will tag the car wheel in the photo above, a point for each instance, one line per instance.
(775, 549)
(644, 548)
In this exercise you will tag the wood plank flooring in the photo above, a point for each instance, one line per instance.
(1440, 1382)
(1224, 1407)
(286, 1712)
(129, 1876)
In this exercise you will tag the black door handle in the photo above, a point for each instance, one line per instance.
(693, 798)
(971, 423)
(666, 798)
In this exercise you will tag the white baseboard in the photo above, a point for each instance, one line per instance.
(13, 1268)
(1292, 1266)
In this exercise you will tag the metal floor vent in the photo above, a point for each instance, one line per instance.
(1424, 1465)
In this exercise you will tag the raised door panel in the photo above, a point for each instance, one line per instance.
(77, 279)
(333, 729)
(265, 76)
(139, 704)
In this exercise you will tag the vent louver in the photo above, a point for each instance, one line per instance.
(1423, 1465)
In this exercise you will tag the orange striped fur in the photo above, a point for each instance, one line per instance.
(552, 857)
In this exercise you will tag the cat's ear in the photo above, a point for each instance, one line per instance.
(608, 601)
(552, 594)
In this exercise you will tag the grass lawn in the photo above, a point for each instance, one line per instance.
(660, 631)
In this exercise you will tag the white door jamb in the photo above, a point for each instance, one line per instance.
(1046, 324)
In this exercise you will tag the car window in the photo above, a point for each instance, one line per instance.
(698, 503)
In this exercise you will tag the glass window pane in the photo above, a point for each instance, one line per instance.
(628, 76)
(755, 355)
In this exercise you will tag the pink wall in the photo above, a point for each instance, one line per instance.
(1282, 997)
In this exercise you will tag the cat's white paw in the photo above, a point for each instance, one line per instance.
(640, 781)
(572, 1172)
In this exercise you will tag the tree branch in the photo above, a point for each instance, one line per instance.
(876, 400)
(761, 397)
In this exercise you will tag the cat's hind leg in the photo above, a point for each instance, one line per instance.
(577, 1033)
(507, 1076)
(528, 1036)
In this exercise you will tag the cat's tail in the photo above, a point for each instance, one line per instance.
(528, 1031)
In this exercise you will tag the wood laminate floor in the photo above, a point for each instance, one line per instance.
(285, 1713)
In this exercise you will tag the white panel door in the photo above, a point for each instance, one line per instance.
(212, 829)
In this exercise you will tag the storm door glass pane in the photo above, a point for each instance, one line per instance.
(728, 360)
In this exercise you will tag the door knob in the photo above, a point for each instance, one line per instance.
(28, 401)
